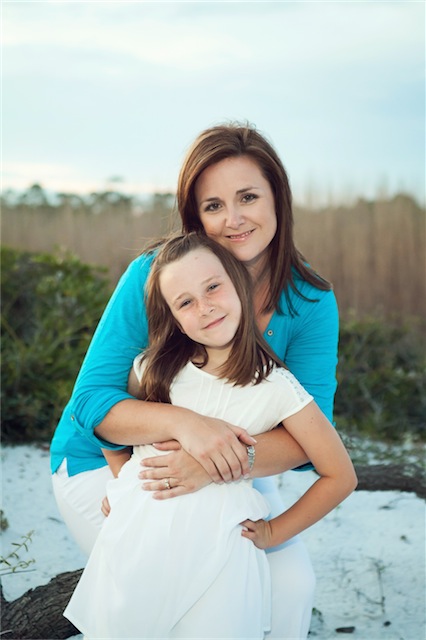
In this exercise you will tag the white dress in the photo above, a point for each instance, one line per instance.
(180, 568)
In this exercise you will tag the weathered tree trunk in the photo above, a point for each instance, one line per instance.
(38, 614)
(396, 477)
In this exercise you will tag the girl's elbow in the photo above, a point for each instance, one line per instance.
(352, 481)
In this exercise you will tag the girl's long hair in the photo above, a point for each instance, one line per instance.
(232, 141)
(250, 359)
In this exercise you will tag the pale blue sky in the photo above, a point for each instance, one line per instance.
(96, 89)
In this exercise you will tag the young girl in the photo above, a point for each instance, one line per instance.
(194, 566)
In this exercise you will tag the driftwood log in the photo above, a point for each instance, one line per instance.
(37, 615)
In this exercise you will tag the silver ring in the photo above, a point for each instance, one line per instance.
(167, 483)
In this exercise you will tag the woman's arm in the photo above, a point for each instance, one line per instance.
(337, 480)
(215, 444)
(276, 451)
(311, 348)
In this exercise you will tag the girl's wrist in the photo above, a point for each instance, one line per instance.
(251, 454)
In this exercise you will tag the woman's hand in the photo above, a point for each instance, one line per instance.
(181, 471)
(219, 447)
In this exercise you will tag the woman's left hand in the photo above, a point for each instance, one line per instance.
(173, 474)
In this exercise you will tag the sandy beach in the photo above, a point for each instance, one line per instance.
(368, 554)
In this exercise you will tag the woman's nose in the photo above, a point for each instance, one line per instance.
(234, 219)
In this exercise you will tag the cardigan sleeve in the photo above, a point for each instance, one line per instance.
(311, 353)
(121, 334)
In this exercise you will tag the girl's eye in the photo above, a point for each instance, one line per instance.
(212, 287)
(184, 303)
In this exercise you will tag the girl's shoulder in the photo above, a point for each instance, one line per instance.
(283, 378)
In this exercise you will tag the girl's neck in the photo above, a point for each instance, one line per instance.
(216, 358)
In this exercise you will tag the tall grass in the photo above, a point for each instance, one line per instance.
(373, 252)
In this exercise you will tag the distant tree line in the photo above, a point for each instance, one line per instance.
(36, 198)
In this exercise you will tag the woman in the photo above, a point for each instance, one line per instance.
(233, 186)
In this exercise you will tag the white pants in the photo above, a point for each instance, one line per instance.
(79, 501)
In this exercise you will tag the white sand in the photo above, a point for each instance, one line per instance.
(369, 554)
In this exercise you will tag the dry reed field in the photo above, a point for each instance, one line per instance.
(373, 252)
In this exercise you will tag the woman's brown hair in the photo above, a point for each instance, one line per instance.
(234, 140)
(250, 359)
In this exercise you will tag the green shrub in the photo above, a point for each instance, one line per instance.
(51, 305)
(382, 379)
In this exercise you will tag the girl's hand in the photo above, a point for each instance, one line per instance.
(182, 472)
(260, 532)
(105, 507)
(218, 446)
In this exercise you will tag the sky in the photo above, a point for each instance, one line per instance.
(96, 90)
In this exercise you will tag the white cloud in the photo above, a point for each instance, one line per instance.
(289, 36)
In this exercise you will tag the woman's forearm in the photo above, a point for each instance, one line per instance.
(276, 451)
(219, 447)
(134, 422)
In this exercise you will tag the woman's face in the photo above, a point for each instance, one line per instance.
(237, 209)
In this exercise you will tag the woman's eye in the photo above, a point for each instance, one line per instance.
(212, 207)
(249, 197)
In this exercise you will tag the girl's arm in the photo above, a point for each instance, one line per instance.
(337, 480)
(116, 459)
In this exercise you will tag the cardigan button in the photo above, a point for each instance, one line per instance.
(270, 332)
(72, 418)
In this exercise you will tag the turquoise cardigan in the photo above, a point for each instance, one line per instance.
(306, 342)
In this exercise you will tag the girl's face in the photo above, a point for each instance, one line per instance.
(202, 299)
(237, 209)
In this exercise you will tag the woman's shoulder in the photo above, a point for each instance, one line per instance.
(143, 260)
(304, 298)
(137, 269)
